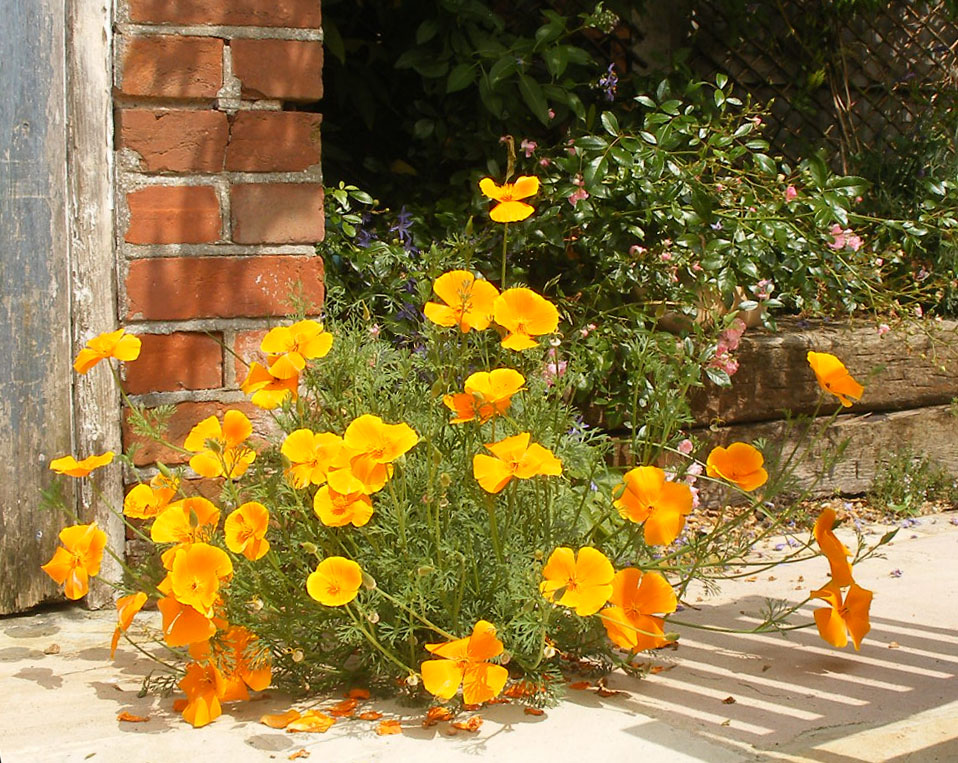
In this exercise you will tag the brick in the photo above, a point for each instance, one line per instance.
(180, 288)
(179, 361)
(291, 70)
(299, 14)
(184, 418)
(273, 141)
(246, 348)
(163, 214)
(277, 213)
(175, 140)
(168, 66)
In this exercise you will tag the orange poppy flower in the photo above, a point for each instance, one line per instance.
(182, 624)
(240, 663)
(202, 692)
(487, 394)
(126, 609)
(335, 581)
(739, 463)
(228, 457)
(843, 618)
(289, 347)
(196, 574)
(468, 301)
(245, 530)
(513, 457)
(630, 622)
(510, 209)
(185, 521)
(112, 344)
(310, 455)
(833, 377)
(336, 510)
(145, 501)
(69, 466)
(371, 446)
(524, 314)
(835, 551)
(266, 390)
(78, 559)
(646, 496)
(465, 662)
(583, 582)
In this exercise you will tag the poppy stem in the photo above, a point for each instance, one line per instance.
(410, 610)
(494, 527)
(505, 239)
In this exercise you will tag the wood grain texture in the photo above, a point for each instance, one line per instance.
(35, 396)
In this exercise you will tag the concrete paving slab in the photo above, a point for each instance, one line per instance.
(722, 697)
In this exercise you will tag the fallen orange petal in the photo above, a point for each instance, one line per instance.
(579, 685)
(388, 727)
(370, 715)
(436, 714)
(130, 718)
(280, 720)
(358, 694)
(472, 724)
(603, 692)
(533, 711)
(300, 753)
(312, 721)
(343, 709)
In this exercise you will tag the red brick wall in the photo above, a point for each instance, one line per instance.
(219, 195)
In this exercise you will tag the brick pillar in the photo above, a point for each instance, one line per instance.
(219, 194)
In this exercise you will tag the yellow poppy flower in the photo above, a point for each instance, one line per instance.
(336, 510)
(835, 551)
(266, 390)
(465, 662)
(188, 520)
(145, 501)
(524, 314)
(468, 301)
(843, 618)
(510, 209)
(582, 582)
(513, 457)
(487, 394)
(310, 455)
(113, 344)
(196, 574)
(833, 377)
(335, 581)
(630, 622)
(289, 347)
(229, 456)
(646, 496)
(69, 466)
(739, 463)
(245, 530)
(78, 559)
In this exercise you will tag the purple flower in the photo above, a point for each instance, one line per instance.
(609, 82)
(402, 230)
(896, 573)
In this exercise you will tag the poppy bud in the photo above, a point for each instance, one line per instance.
(369, 582)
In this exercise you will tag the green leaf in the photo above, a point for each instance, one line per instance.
(721, 80)
(502, 69)
(592, 143)
(610, 123)
(648, 137)
(423, 128)
(718, 377)
(818, 170)
(461, 77)
(557, 59)
(644, 100)
(426, 31)
(765, 164)
(535, 100)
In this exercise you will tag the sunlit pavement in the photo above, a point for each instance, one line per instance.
(718, 697)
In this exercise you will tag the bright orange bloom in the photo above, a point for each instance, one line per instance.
(336, 510)
(289, 347)
(835, 551)
(465, 662)
(126, 609)
(371, 446)
(513, 457)
(69, 466)
(146, 501)
(113, 344)
(843, 618)
(468, 301)
(583, 583)
(245, 530)
(524, 314)
(241, 665)
(185, 521)
(739, 463)
(310, 455)
(196, 574)
(630, 622)
(487, 394)
(78, 559)
(335, 581)
(833, 377)
(510, 209)
(266, 390)
(646, 496)
(202, 691)
(229, 456)
(182, 624)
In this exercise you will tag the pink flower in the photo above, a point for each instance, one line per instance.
(696, 267)
(552, 114)
(685, 447)
(579, 194)
(695, 496)
(374, 330)
(918, 311)
(790, 193)
(757, 121)
(587, 330)
(554, 369)
(570, 147)
(529, 146)
(665, 256)
(545, 161)
(838, 237)
(852, 241)
(763, 289)
(694, 470)
(636, 250)
(883, 328)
